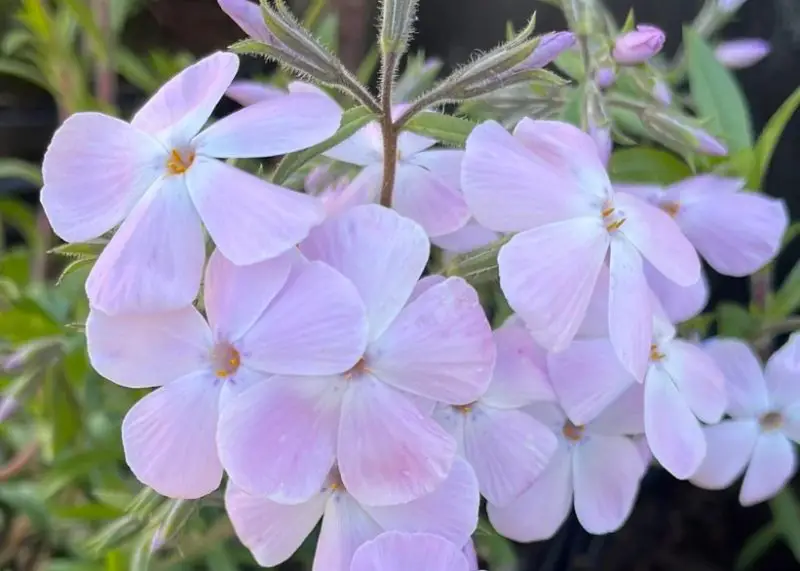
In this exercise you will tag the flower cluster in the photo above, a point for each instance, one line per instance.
(332, 380)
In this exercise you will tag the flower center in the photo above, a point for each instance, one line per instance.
(358, 369)
(671, 208)
(464, 408)
(225, 360)
(335, 483)
(179, 161)
(612, 218)
(572, 432)
(655, 354)
(771, 421)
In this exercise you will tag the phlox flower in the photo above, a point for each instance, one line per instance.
(274, 531)
(765, 418)
(678, 302)
(159, 175)
(597, 467)
(280, 316)
(469, 237)
(736, 231)
(396, 551)
(280, 438)
(548, 183)
(506, 447)
(682, 384)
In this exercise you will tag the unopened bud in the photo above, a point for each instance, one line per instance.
(742, 53)
(639, 45)
(661, 92)
(396, 25)
(681, 133)
(605, 77)
(729, 6)
(550, 46)
(249, 18)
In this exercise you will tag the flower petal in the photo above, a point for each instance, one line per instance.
(698, 378)
(508, 450)
(450, 511)
(773, 464)
(552, 293)
(729, 446)
(381, 252)
(248, 17)
(744, 381)
(181, 107)
(439, 347)
(394, 551)
(469, 237)
(624, 416)
(273, 127)
(155, 260)
(538, 513)
(316, 326)
(673, 432)
(169, 438)
(679, 302)
(509, 188)
(782, 374)
(139, 351)
(236, 296)
(249, 219)
(364, 147)
(607, 471)
(389, 452)
(271, 531)
(425, 197)
(95, 170)
(630, 309)
(659, 239)
(345, 528)
(246, 92)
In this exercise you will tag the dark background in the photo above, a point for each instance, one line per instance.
(674, 526)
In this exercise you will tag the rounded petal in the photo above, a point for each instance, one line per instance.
(236, 296)
(673, 432)
(389, 452)
(249, 219)
(394, 551)
(744, 381)
(773, 464)
(248, 17)
(181, 107)
(316, 326)
(273, 127)
(139, 351)
(155, 260)
(381, 252)
(508, 450)
(95, 170)
(169, 438)
(679, 302)
(278, 438)
(439, 347)
(246, 92)
(510, 188)
(271, 531)
(426, 197)
(699, 380)
(587, 377)
(345, 528)
(630, 309)
(450, 511)
(729, 446)
(782, 374)
(364, 147)
(606, 471)
(409, 143)
(552, 293)
(624, 416)
(656, 235)
(537, 514)
(469, 237)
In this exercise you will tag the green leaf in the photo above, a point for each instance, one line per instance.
(368, 65)
(569, 62)
(786, 515)
(756, 546)
(735, 321)
(82, 11)
(717, 94)
(75, 266)
(352, 120)
(21, 217)
(647, 165)
(445, 128)
(64, 413)
(787, 299)
(630, 23)
(23, 71)
(571, 112)
(769, 138)
(23, 170)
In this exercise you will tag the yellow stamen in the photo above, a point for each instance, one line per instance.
(572, 431)
(615, 225)
(226, 360)
(655, 354)
(464, 408)
(179, 164)
(671, 208)
(608, 211)
(358, 369)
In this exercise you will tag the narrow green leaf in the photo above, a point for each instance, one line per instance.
(75, 266)
(630, 22)
(787, 299)
(368, 65)
(770, 136)
(444, 128)
(23, 170)
(82, 11)
(23, 71)
(352, 120)
(21, 217)
(756, 546)
(735, 321)
(90, 248)
(647, 165)
(65, 412)
(717, 94)
(786, 515)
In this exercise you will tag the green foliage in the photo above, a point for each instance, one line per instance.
(647, 165)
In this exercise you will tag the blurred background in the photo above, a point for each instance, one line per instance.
(60, 459)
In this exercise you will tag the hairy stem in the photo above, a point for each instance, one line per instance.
(388, 129)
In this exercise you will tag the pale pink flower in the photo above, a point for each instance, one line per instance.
(679, 302)
(506, 447)
(765, 418)
(273, 531)
(396, 551)
(281, 438)
(682, 386)
(597, 467)
(160, 176)
(736, 231)
(548, 183)
(639, 45)
(281, 316)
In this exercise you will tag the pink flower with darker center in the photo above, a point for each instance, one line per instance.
(160, 177)
(396, 551)
(281, 316)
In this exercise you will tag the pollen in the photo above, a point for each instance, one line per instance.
(225, 360)
(178, 162)
(572, 432)
(464, 408)
(671, 208)
(358, 369)
(655, 354)
(615, 225)
(771, 421)
(612, 218)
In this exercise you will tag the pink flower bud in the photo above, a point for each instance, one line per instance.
(605, 77)
(729, 6)
(661, 92)
(639, 45)
(550, 47)
(741, 53)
